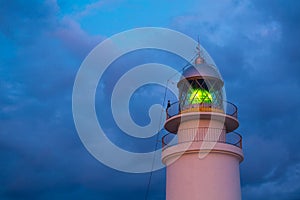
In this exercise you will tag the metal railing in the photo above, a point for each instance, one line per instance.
(203, 134)
(227, 108)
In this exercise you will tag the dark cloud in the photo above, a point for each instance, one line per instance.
(22, 21)
(43, 155)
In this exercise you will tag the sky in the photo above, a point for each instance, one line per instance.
(254, 43)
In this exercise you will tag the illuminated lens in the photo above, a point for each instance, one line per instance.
(199, 96)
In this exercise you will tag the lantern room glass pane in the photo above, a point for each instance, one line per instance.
(198, 95)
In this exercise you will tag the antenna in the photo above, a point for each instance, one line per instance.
(198, 47)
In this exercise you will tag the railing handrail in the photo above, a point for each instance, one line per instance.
(204, 105)
(234, 114)
(237, 143)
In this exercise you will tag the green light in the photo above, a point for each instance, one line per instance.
(198, 95)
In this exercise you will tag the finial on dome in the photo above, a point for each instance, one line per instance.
(199, 59)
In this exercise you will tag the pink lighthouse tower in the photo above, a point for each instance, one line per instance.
(201, 151)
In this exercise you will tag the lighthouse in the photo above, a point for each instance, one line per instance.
(202, 152)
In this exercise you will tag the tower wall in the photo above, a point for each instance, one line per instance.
(214, 177)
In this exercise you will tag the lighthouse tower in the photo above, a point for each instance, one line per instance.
(201, 151)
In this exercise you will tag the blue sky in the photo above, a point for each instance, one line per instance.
(254, 43)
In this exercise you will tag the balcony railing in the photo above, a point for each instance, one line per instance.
(210, 135)
(227, 108)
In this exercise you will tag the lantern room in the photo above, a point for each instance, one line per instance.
(200, 88)
(201, 95)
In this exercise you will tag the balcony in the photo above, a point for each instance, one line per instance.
(210, 135)
(227, 108)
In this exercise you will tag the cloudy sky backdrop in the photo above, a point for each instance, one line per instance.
(255, 45)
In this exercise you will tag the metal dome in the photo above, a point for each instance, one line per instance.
(201, 71)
